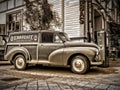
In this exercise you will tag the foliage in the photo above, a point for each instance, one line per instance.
(39, 15)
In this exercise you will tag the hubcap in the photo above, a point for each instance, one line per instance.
(78, 65)
(19, 62)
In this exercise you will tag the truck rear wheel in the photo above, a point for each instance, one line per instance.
(79, 64)
(20, 62)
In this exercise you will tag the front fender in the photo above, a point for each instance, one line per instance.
(88, 52)
(17, 50)
(61, 56)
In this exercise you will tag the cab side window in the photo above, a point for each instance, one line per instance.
(57, 39)
(47, 37)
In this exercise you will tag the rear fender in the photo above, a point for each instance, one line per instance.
(17, 50)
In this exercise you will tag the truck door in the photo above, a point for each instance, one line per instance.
(49, 43)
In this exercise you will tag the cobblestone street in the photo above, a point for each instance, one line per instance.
(45, 85)
(49, 78)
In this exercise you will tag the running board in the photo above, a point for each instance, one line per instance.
(96, 63)
(38, 62)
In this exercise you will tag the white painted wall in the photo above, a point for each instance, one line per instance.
(2, 18)
(57, 7)
(72, 25)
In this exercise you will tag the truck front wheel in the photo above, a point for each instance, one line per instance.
(79, 64)
(20, 62)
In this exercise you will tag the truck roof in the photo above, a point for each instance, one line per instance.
(29, 32)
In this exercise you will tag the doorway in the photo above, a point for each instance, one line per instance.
(97, 24)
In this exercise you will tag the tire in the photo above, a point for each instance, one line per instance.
(20, 62)
(79, 64)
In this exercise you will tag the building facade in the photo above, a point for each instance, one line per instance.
(104, 15)
(11, 15)
(81, 19)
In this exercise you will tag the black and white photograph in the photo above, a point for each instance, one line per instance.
(59, 44)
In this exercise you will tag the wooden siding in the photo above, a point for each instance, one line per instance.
(71, 15)
(72, 26)
(57, 7)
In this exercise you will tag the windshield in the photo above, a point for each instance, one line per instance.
(64, 36)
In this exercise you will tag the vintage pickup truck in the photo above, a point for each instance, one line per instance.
(49, 47)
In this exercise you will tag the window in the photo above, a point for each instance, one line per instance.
(19, 2)
(10, 4)
(64, 36)
(50, 38)
(14, 21)
(2, 29)
(47, 37)
(57, 39)
(3, 6)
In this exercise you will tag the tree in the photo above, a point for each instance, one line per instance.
(40, 16)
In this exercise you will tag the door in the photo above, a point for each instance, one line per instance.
(49, 43)
(101, 37)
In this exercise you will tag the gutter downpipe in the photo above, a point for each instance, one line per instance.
(86, 23)
(63, 29)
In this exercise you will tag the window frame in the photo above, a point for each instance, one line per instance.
(54, 34)
(46, 37)
(20, 21)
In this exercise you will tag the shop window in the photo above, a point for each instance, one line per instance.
(2, 29)
(3, 6)
(14, 22)
(19, 2)
(10, 4)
